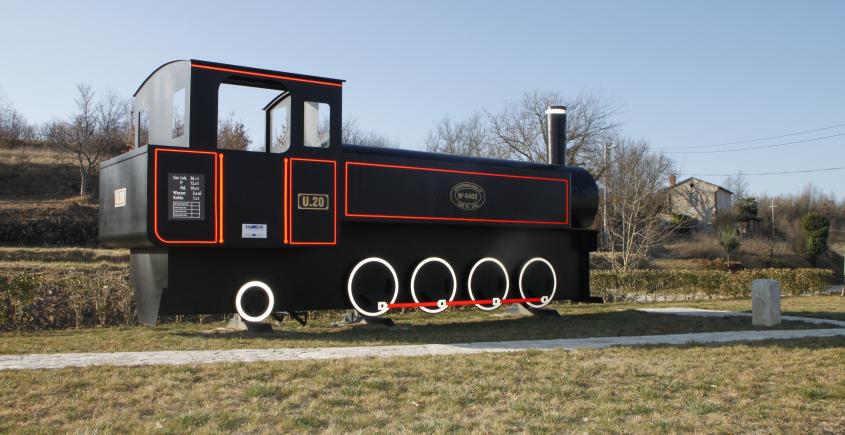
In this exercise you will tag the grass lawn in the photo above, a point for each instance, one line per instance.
(780, 386)
(618, 319)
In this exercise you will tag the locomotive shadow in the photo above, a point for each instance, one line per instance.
(419, 329)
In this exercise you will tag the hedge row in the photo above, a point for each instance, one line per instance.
(657, 284)
(65, 295)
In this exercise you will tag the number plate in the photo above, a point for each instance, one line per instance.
(312, 201)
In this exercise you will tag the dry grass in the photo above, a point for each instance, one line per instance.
(702, 249)
(38, 155)
(577, 321)
(32, 173)
(784, 386)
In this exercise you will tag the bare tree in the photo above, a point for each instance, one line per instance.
(91, 131)
(737, 184)
(635, 180)
(232, 134)
(518, 131)
(352, 134)
(466, 138)
(520, 128)
(13, 125)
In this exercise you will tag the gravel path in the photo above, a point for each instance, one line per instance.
(54, 361)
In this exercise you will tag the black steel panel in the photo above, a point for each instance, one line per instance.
(123, 201)
(252, 190)
(427, 193)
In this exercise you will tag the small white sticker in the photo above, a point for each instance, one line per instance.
(253, 231)
(120, 197)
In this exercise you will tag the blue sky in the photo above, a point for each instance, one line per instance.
(685, 73)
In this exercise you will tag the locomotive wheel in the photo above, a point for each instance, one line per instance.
(414, 280)
(240, 303)
(497, 301)
(528, 266)
(380, 303)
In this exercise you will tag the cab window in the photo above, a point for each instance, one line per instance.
(317, 125)
(253, 118)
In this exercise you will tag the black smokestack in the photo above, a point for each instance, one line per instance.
(556, 125)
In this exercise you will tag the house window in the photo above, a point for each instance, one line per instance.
(692, 199)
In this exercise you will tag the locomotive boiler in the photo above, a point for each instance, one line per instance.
(309, 223)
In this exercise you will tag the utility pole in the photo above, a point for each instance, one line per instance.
(773, 217)
(772, 238)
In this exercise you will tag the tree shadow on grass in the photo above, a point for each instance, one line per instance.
(608, 324)
(829, 315)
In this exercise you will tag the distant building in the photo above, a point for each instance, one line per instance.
(701, 200)
(749, 226)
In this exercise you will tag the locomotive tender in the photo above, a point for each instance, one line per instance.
(316, 224)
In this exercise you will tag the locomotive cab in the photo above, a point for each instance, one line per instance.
(218, 212)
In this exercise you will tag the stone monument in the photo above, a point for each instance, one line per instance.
(765, 302)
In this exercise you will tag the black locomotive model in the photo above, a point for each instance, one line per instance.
(315, 224)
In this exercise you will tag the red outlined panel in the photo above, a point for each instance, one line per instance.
(289, 207)
(564, 181)
(214, 187)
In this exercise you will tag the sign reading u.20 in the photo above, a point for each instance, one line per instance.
(312, 201)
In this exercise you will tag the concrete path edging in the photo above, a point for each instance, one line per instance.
(62, 360)
(698, 312)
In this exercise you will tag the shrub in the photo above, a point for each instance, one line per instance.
(696, 284)
(681, 223)
(729, 241)
(747, 208)
(816, 229)
(62, 296)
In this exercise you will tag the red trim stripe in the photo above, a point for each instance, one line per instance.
(265, 75)
(461, 303)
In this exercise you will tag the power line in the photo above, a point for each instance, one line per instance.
(802, 171)
(754, 148)
(760, 139)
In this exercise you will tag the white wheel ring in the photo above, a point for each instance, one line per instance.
(554, 282)
(352, 277)
(271, 302)
(507, 282)
(454, 282)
